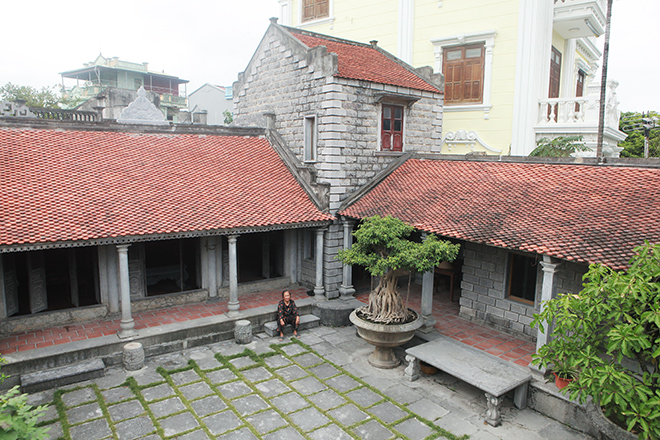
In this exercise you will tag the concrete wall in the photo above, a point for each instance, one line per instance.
(484, 290)
(286, 78)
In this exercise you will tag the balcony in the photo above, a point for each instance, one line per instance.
(579, 117)
(579, 18)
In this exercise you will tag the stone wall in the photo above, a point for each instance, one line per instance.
(484, 290)
(292, 82)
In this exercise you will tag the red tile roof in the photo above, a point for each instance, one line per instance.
(593, 214)
(60, 185)
(363, 62)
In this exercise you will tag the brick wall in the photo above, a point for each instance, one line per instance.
(484, 290)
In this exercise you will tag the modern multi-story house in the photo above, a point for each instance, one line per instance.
(515, 70)
(212, 99)
(113, 84)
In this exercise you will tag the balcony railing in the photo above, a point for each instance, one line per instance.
(562, 110)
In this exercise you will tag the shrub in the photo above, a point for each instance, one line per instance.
(18, 420)
(609, 334)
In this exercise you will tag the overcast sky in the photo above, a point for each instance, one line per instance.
(213, 40)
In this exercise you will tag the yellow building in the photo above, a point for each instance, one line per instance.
(515, 70)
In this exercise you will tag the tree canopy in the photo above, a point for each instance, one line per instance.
(383, 245)
(633, 146)
(46, 97)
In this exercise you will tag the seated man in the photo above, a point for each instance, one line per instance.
(287, 313)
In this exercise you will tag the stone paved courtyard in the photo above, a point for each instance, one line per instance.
(319, 387)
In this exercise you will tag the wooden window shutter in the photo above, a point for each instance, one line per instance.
(464, 74)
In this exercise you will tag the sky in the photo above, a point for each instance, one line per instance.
(213, 40)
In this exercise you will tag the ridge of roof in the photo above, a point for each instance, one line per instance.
(365, 65)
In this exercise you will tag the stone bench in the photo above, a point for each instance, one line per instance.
(489, 373)
(306, 322)
(66, 375)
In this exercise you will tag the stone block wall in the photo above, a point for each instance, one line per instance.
(484, 289)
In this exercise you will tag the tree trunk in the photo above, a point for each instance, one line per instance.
(385, 304)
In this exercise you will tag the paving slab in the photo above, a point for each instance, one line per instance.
(222, 422)
(309, 419)
(372, 430)
(277, 361)
(117, 394)
(289, 403)
(195, 435)
(179, 423)
(413, 429)
(273, 387)
(308, 385)
(134, 428)
(157, 392)
(196, 390)
(232, 390)
(239, 434)
(242, 362)
(166, 407)
(327, 399)
(84, 413)
(307, 360)
(324, 371)
(125, 410)
(184, 377)
(364, 397)
(284, 434)
(249, 404)
(388, 412)
(342, 383)
(428, 409)
(79, 397)
(208, 405)
(291, 372)
(348, 415)
(331, 432)
(266, 421)
(98, 429)
(293, 349)
(256, 374)
(220, 376)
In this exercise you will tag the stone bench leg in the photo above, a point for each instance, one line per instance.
(520, 396)
(412, 370)
(494, 415)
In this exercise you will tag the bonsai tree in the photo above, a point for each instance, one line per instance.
(610, 335)
(383, 246)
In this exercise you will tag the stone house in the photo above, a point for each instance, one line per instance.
(346, 111)
(528, 227)
(98, 215)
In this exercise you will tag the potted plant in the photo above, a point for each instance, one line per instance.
(383, 245)
(610, 333)
(563, 375)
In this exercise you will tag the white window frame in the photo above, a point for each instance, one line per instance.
(285, 12)
(330, 19)
(310, 138)
(488, 39)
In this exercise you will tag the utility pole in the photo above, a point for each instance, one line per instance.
(603, 82)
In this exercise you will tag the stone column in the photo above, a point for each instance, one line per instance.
(127, 324)
(427, 298)
(233, 305)
(212, 267)
(549, 270)
(318, 288)
(346, 289)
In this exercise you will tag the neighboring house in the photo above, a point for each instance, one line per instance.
(173, 209)
(113, 84)
(515, 70)
(214, 100)
(346, 110)
(528, 229)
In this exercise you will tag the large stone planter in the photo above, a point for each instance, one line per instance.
(607, 430)
(385, 338)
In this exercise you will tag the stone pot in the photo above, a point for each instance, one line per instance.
(607, 429)
(385, 338)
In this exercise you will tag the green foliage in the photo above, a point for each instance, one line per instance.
(382, 244)
(18, 420)
(610, 335)
(561, 146)
(47, 97)
(229, 117)
(633, 145)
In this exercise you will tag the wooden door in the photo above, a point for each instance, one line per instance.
(37, 282)
(555, 77)
(10, 280)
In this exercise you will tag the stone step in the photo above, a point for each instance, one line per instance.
(57, 377)
(306, 322)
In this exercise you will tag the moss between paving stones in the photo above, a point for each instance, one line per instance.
(298, 350)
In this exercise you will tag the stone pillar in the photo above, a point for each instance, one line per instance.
(212, 267)
(346, 289)
(318, 288)
(233, 305)
(427, 299)
(549, 270)
(127, 324)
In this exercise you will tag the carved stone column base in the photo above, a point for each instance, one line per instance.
(494, 415)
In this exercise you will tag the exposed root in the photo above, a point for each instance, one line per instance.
(385, 304)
